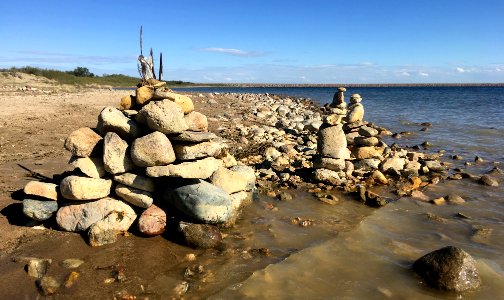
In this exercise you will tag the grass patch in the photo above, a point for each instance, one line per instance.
(115, 80)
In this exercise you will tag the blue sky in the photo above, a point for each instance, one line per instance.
(367, 41)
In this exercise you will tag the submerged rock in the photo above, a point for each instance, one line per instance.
(449, 268)
(201, 235)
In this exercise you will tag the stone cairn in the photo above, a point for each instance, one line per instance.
(352, 155)
(152, 156)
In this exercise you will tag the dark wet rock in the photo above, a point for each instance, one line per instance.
(48, 285)
(202, 201)
(454, 199)
(478, 159)
(284, 196)
(488, 180)
(201, 235)
(496, 171)
(37, 267)
(457, 157)
(436, 218)
(449, 268)
(152, 221)
(39, 210)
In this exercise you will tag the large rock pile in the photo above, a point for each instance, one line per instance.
(152, 156)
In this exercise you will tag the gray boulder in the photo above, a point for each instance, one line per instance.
(449, 268)
(201, 201)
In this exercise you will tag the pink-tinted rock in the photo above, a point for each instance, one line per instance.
(152, 221)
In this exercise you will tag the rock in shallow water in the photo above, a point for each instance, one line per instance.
(152, 221)
(449, 268)
(201, 235)
(202, 201)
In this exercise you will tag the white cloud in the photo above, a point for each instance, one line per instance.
(424, 74)
(234, 52)
(405, 74)
(498, 69)
(460, 70)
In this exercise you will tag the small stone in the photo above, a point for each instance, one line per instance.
(48, 285)
(41, 189)
(116, 157)
(105, 231)
(90, 166)
(394, 164)
(134, 196)
(365, 141)
(228, 180)
(39, 210)
(449, 268)
(330, 163)
(488, 180)
(152, 221)
(368, 131)
(419, 196)
(83, 142)
(127, 102)
(284, 196)
(113, 120)
(183, 101)
(71, 263)
(196, 121)
(356, 113)
(201, 235)
(439, 201)
(200, 150)
(153, 149)
(455, 199)
(144, 94)
(37, 267)
(71, 278)
(136, 181)
(202, 169)
(378, 177)
(367, 152)
(194, 137)
(84, 188)
(434, 165)
(328, 176)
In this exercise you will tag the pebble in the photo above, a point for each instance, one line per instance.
(48, 285)
(152, 221)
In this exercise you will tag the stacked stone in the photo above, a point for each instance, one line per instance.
(350, 149)
(332, 148)
(154, 154)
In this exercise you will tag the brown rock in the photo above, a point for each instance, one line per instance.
(144, 94)
(127, 102)
(82, 142)
(367, 152)
(183, 101)
(152, 221)
(196, 121)
(42, 189)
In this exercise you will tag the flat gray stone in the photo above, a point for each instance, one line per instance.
(202, 201)
(39, 210)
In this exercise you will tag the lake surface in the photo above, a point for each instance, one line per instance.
(363, 253)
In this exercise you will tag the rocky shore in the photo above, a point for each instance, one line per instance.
(157, 158)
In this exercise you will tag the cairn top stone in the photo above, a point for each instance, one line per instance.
(341, 89)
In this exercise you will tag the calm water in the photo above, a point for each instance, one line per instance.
(367, 253)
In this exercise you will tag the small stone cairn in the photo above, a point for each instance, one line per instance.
(152, 156)
(351, 151)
